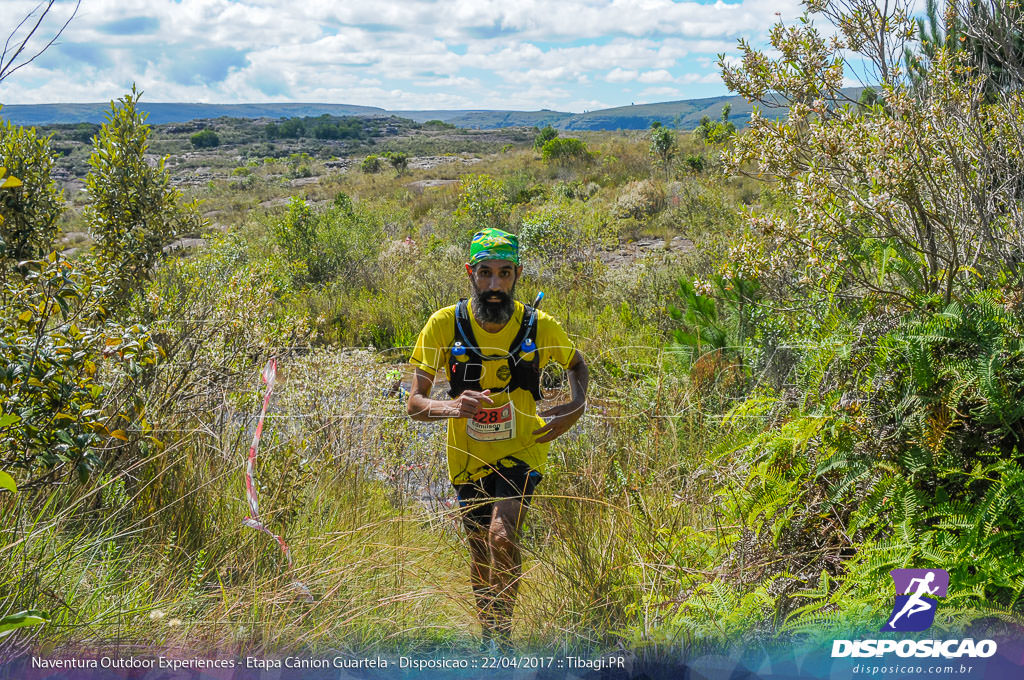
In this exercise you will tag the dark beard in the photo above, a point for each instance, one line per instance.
(486, 311)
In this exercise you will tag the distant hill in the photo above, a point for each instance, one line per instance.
(490, 120)
(684, 114)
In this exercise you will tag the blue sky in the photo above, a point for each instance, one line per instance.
(569, 55)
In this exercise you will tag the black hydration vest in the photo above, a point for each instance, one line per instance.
(523, 375)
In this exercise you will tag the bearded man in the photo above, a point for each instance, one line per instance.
(492, 349)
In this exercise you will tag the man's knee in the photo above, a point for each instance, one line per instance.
(506, 522)
(500, 532)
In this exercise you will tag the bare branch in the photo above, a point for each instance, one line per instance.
(14, 32)
(11, 65)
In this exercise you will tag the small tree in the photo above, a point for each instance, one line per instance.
(716, 131)
(546, 134)
(205, 139)
(133, 211)
(371, 164)
(663, 144)
(399, 161)
(915, 201)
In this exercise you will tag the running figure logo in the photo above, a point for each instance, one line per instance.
(914, 610)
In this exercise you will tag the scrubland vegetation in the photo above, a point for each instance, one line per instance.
(814, 378)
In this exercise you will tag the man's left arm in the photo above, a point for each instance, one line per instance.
(558, 419)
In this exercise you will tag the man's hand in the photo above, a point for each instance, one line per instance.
(469, 403)
(558, 420)
(422, 408)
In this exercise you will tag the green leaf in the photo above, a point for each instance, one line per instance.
(7, 482)
(8, 419)
(29, 617)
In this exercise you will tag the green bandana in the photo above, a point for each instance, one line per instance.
(493, 244)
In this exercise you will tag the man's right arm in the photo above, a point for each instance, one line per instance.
(422, 408)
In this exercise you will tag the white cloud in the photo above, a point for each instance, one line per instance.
(452, 82)
(694, 78)
(618, 75)
(569, 54)
(659, 76)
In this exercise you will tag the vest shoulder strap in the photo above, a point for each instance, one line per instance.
(527, 329)
(464, 328)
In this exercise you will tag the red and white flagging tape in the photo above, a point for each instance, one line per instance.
(253, 520)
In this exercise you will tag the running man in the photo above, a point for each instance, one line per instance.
(915, 603)
(491, 349)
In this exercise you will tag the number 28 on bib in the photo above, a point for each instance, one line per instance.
(492, 424)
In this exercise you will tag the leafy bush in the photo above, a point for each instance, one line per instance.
(716, 131)
(339, 242)
(371, 164)
(299, 165)
(878, 423)
(205, 139)
(546, 134)
(521, 187)
(919, 451)
(133, 211)
(564, 232)
(29, 210)
(695, 162)
(60, 357)
(482, 204)
(903, 200)
(565, 151)
(698, 207)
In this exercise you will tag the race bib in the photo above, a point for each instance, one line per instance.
(493, 424)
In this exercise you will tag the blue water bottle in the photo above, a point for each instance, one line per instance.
(527, 349)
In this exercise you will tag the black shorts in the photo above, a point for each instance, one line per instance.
(476, 499)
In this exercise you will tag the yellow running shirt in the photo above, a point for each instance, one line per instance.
(473, 445)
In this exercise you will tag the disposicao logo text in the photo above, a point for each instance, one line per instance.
(914, 611)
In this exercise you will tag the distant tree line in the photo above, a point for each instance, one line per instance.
(320, 127)
(75, 132)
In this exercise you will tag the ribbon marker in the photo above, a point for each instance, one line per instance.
(253, 521)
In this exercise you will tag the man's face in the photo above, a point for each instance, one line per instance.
(494, 287)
